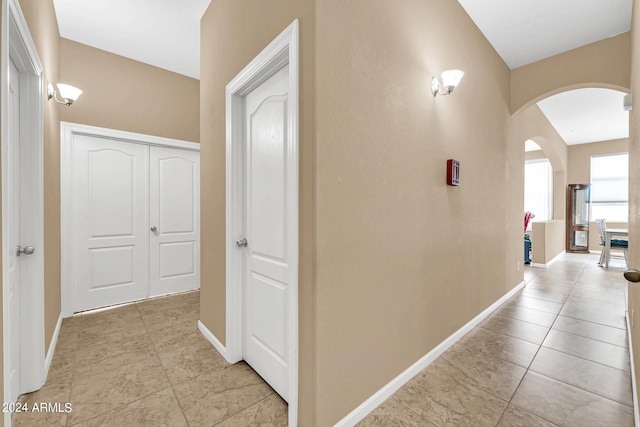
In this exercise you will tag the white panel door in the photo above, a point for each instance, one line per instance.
(174, 242)
(14, 263)
(111, 218)
(267, 256)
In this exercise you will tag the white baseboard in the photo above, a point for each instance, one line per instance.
(554, 259)
(214, 341)
(52, 347)
(636, 414)
(394, 385)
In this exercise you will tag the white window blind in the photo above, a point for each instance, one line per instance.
(538, 189)
(610, 187)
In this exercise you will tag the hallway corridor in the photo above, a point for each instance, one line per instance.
(556, 353)
(147, 364)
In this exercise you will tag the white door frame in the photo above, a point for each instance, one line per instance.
(280, 52)
(67, 224)
(18, 46)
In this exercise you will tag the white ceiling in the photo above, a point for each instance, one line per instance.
(530, 145)
(587, 115)
(163, 33)
(525, 31)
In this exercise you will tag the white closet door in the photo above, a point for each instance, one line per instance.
(111, 194)
(174, 220)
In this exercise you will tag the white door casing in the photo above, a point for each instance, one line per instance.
(111, 210)
(22, 207)
(267, 258)
(115, 146)
(14, 264)
(174, 242)
(279, 53)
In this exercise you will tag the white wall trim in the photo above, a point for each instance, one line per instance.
(281, 51)
(359, 413)
(67, 134)
(214, 341)
(554, 259)
(18, 46)
(52, 346)
(636, 408)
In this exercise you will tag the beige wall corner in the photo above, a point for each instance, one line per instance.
(232, 34)
(531, 123)
(120, 93)
(601, 64)
(634, 188)
(43, 26)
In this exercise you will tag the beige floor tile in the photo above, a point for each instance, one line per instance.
(160, 409)
(516, 417)
(214, 396)
(156, 316)
(599, 379)
(616, 320)
(191, 297)
(493, 344)
(104, 392)
(39, 419)
(173, 336)
(393, 414)
(606, 295)
(596, 304)
(97, 327)
(596, 351)
(566, 405)
(516, 328)
(536, 304)
(490, 374)
(592, 330)
(553, 293)
(113, 354)
(526, 314)
(438, 395)
(270, 412)
(194, 357)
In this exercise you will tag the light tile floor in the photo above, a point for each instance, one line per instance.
(555, 354)
(147, 364)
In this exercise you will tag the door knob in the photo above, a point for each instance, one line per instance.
(632, 275)
(154, 228)
(241, 243)
(27, 250)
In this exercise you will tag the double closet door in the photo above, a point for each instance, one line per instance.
(136, 221)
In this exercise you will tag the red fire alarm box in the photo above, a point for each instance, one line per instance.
(453, 172)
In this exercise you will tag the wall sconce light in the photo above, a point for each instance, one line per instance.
(450, 79)
(68, 93)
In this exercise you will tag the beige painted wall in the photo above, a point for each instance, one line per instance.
(233, 32)
(43, 26)
(634, 188)
(531, 123)
(580, 158)
(120, 93)
(403, 259)
(601, 64)
(548, 240)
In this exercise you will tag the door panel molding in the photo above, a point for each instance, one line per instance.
(280, 52)
(68, 134)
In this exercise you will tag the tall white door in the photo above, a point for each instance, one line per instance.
(175, 220)
(111, 220)
(267, 257)
(14, 263)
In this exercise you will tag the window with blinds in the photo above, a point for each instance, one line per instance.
(538, 189)
(610, 187)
